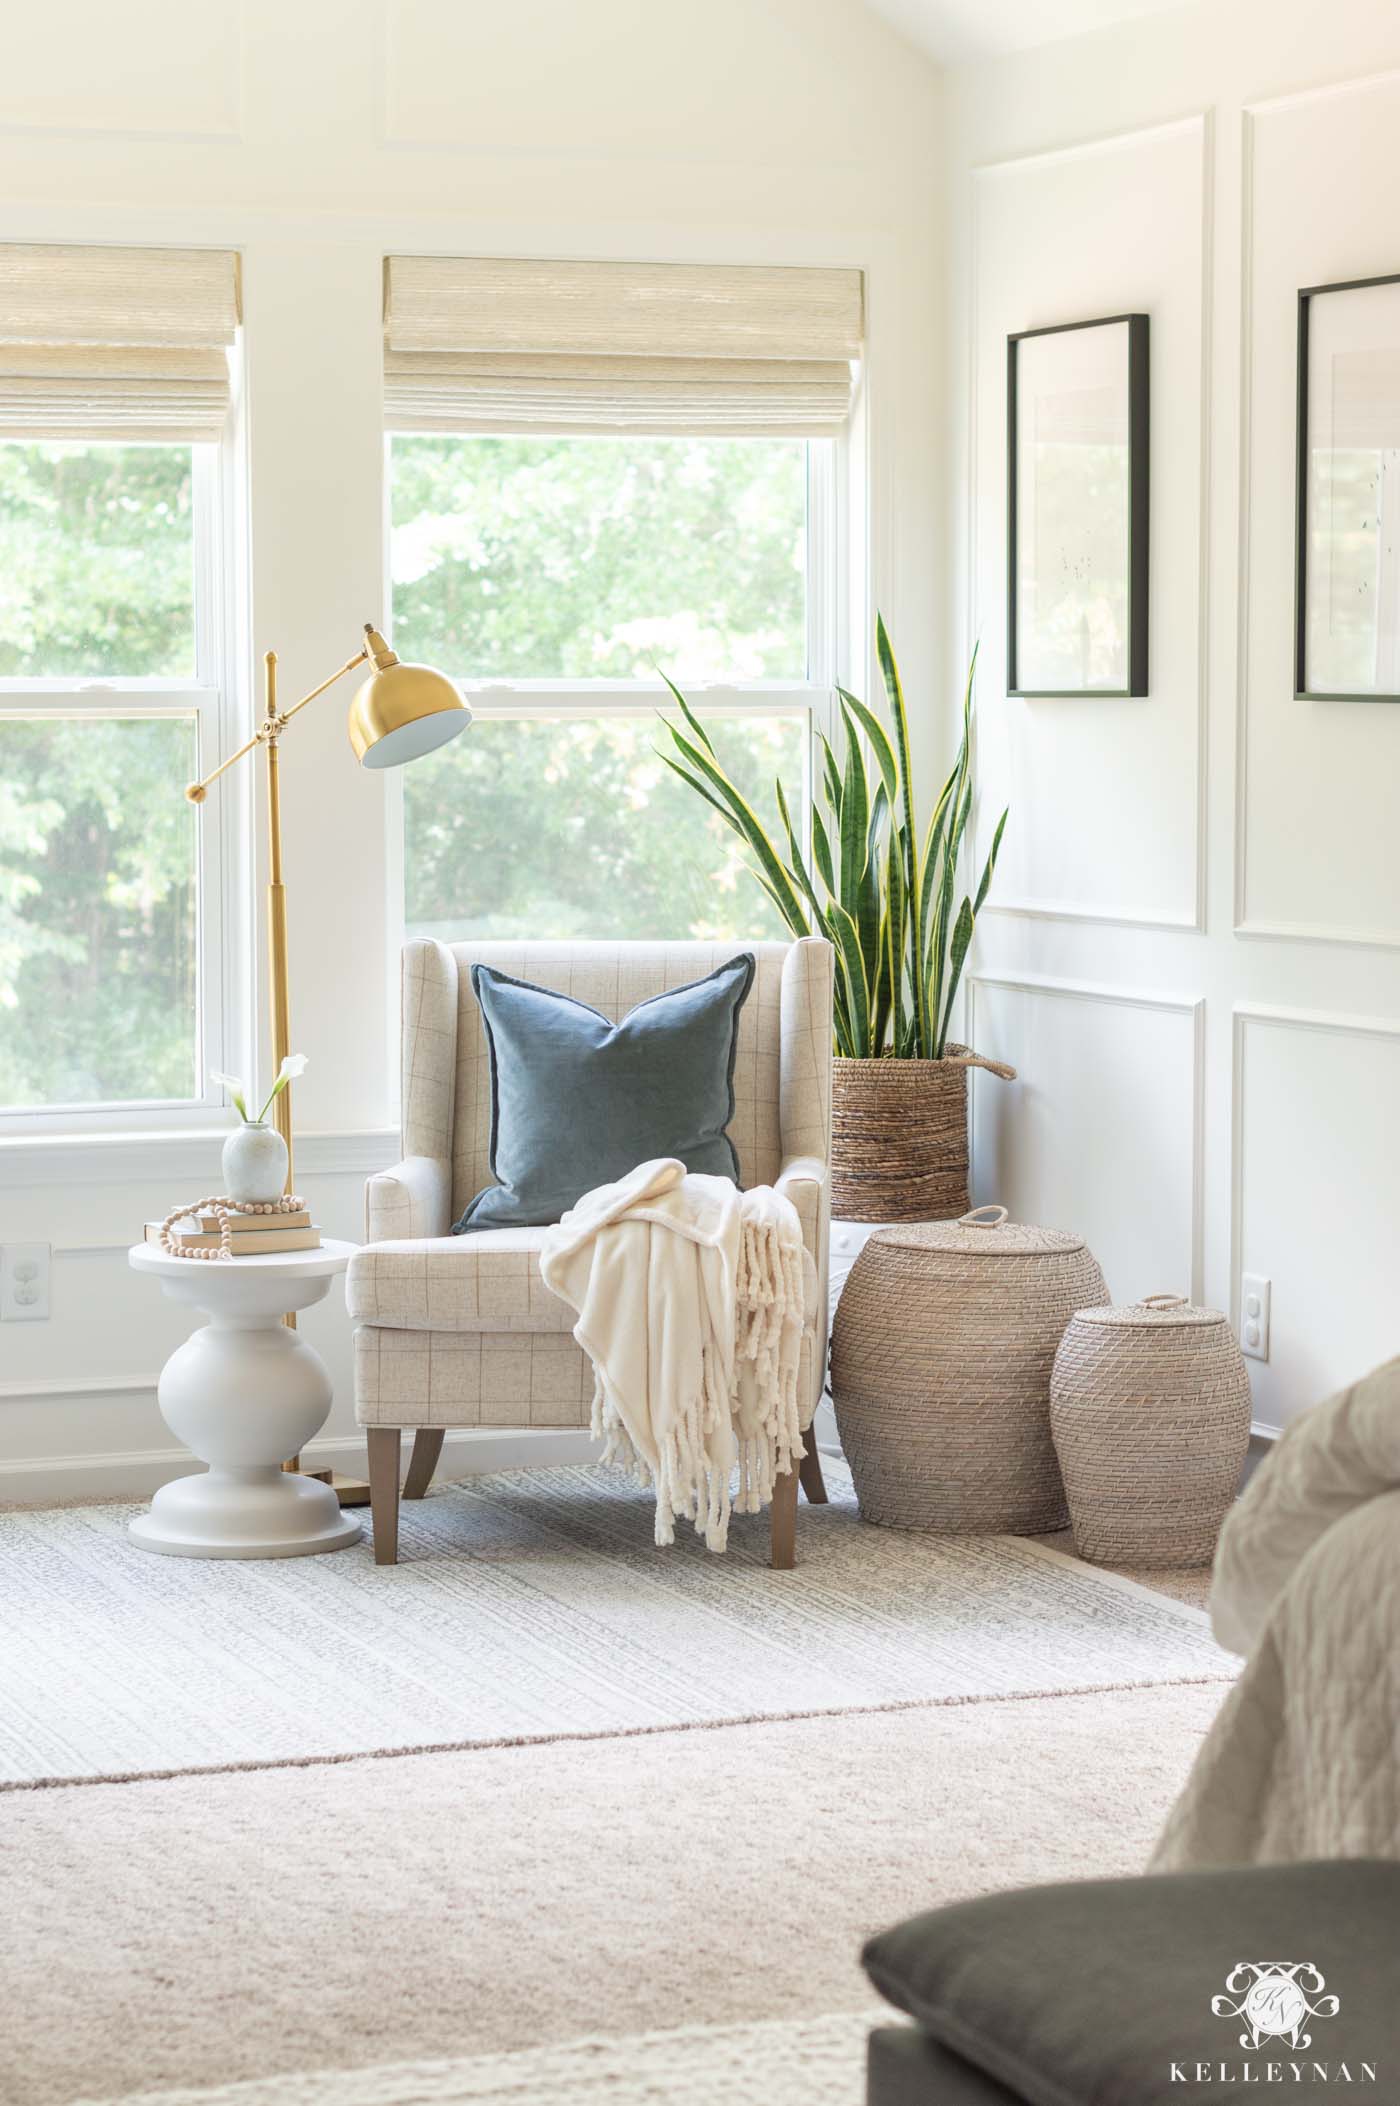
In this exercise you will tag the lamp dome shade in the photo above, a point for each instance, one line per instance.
(402, 711)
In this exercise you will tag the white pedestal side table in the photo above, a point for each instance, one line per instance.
(245, 1392)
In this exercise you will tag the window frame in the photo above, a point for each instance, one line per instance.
(505, 701)
(210, 698)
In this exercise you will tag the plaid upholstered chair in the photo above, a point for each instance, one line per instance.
(461, 1330)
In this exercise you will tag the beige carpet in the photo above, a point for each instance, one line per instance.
(527, 1606)
(212, 1929)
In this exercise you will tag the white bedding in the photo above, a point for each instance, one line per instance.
(1304, 1758)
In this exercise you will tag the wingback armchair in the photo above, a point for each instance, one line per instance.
(461, 1330)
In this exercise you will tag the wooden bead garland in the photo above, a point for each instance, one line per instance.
(227, 1212)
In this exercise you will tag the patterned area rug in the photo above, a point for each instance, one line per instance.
(533, 1606)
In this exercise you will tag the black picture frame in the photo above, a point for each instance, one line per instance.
(1139, 507)
(1301, 691)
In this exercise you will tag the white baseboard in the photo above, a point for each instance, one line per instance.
(469, 1451)
(1261, 1441)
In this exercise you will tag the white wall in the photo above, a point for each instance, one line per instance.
(317, 137)
(1195, 960)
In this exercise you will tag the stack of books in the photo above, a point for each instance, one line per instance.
(250, 1236)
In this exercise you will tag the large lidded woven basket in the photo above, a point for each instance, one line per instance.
(941, 1353)
(1150, 1410)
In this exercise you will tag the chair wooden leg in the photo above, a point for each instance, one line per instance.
(783, 1522)
(809, 1472)
(427, 1447)
(384, 1444)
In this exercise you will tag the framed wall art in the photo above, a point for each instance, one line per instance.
(1077, 400)
(1346, 645)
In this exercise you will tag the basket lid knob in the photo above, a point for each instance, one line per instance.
(984, 1217)
(1164, 1301)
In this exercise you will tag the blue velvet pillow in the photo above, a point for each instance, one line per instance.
(578, 1102)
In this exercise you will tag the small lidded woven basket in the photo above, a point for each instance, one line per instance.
(1150, 1411)
(941, 1352)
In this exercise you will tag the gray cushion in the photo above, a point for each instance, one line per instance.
(577, 1101)
(1093, 1992)
(905, 2068)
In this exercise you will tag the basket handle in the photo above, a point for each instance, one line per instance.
(976, 1218)
(964, 1057)
(1164, 1301)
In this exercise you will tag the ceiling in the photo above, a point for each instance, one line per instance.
(954, 31)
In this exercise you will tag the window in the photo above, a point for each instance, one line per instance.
(597, 559)
(600, 472)
(102, 722)
(555, 577)
(114, 393)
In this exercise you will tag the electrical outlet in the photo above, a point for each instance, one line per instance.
(1255, 1292)
(24, 1283)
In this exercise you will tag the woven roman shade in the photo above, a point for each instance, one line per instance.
(492, 344)
(108, 343)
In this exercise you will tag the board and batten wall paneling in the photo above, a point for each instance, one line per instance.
(1294, 950)
(77, 1393)
(1321, 206)
(444, 68)
(1316, 1171)
(148, 70)
(1101, 1131)
(1106, 793)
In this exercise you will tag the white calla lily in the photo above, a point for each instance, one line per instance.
(234, 1085)
(293, 1064)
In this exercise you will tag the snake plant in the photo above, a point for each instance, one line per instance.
(884, 901)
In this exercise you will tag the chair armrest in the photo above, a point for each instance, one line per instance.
(804, 1179)
(413, 1199)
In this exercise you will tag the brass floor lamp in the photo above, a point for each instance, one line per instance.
(400, 713)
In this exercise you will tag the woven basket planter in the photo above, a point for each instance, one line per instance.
(1150, 1411)
(899, 1136)
(941, 1354)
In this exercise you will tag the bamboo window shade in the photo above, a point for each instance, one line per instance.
(494, 344)
(115, 343)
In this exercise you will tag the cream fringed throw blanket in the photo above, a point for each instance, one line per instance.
(691, 1297)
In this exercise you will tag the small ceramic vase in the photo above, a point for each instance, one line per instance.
(255, 1162)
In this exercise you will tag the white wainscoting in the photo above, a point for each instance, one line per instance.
(135, 1472)
(1101, 1132)
(77, 1393)
(1303, 762)
(1136, 858)
(443, 70)
(147, 70)
(1219, 836)
(1316, 1172)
